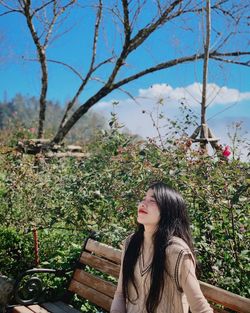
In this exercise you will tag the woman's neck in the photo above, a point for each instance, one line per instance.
(148, 234)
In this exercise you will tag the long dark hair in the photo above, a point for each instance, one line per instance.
(174, 221)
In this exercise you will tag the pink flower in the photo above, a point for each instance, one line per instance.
(32, 130)
(226, 152)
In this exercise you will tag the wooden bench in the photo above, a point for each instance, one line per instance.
(105, 260)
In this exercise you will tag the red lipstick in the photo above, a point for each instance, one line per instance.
(142, 211)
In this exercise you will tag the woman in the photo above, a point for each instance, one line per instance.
(158, 268)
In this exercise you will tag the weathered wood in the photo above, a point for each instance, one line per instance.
(204, 135)
(21, 309)
(37, 308)
(66, 154)
(37, 140)
(52, 307)
(48, 307)
(103, 250)
(205, 139)
(204, 131)
(226, 298)
(94, 282)
(74, 148)
(59, 307)
(65, 307)
(100, 264)
(34, 146)
(211, 134)
(100, 292)
(90, 294)
(195, 133)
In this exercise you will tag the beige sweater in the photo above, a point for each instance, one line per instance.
(181, 288)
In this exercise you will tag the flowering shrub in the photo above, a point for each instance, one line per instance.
(226, 152)
(101, 193)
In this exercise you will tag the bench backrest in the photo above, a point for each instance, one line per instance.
(104, 259)
(107, 260)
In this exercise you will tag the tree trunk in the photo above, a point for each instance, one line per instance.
(205, 69)
(43, 95)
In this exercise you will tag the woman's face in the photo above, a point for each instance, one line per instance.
(148, 210)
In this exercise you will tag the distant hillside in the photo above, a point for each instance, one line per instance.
(24, 110)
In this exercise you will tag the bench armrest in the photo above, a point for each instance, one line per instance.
(28, 290)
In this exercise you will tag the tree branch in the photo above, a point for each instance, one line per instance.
(41, 7)
(121, 89)
(68, 66)
(60, 63)
(247, 63)
(12, 11)
(102, 63)
(10, 8)
(137, 11)
(223, 42)
(144, 33)
(91, 68)
(127, 30)
(43, 64)
(96, 33)
(158, 67)
(141, 36)
(228, 54)
(205, 63)
(107, 88)
(51, 25)
(56, 15)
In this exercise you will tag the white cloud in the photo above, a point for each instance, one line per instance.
(191, 94)
(130, 112)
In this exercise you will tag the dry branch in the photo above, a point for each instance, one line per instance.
(127, 13)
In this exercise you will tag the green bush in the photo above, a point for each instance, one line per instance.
(101, 193)
(15, 252)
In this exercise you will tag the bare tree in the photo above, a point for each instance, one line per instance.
(202, 133)
(47, 15)
(134, 29)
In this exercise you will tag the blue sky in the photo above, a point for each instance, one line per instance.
(230, 82)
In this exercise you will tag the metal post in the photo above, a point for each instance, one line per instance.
(36, 247)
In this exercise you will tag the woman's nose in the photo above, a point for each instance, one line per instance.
(142, 204)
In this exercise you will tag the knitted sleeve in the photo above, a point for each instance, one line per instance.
(189, 283)
(119, 302)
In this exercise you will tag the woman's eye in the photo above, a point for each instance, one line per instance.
(148, 201)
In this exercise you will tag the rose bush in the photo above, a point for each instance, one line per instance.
(101, 191)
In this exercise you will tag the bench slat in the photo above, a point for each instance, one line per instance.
(95, 282)
(37, 308)
(103, 250)
(226, 298)
(100, 292)
(90, 294)
(52, 307)
(66, 307)
(21, 309)
(100, 264)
